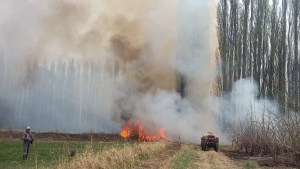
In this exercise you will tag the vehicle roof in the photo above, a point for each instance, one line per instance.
(208, 134)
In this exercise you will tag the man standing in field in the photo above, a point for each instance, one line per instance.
(27, 140)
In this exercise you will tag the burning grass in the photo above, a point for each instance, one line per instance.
(135, 130)
(126, 157)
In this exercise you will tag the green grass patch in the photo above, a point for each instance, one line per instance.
(183, 159)
(143, 156)
(46, 154)
(250, 165)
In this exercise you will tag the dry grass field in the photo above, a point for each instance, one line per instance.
(53, 151)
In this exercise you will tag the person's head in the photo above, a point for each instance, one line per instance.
(27, 129)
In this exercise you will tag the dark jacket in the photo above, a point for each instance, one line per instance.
(27, 137)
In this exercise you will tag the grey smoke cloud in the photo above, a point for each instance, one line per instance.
(241, 105)
(91, 65)
(64, 63)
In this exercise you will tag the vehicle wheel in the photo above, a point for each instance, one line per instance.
(216, 147)
(202, 145)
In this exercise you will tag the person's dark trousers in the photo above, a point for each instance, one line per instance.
(26, 145)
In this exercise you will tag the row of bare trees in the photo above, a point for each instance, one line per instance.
(260, 39)
(274, 135)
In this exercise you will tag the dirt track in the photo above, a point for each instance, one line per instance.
(211, 159)
(171, 158)
(162, 159)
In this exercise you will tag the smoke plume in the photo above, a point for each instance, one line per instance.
(76, 66)
(241, 104)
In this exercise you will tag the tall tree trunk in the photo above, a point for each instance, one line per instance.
(259, 37)
(245, 38)
(265, 47)
(296, 5)
(252, 39)
(274, 50)
(223, 7)
(282, 60)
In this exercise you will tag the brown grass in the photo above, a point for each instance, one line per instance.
(126, 157)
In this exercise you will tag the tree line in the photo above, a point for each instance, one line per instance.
(259, 39)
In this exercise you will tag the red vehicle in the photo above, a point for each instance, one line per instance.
(209, 140)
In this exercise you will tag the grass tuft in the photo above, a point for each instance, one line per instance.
(49, 154)
(250, 165)
(184, 158)
(126, 157)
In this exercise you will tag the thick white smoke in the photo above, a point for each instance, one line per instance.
(189, 117)
(91, 65)
(241, 105)
(64, 64)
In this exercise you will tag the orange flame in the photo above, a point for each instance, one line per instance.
(125, 133)
(137, 131)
